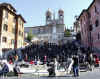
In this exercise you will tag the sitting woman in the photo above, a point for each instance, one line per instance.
(16, 70)
(4, 70)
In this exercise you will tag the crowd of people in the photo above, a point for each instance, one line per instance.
(61, 53)
(47, 52)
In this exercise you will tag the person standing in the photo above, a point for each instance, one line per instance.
(76, 66)
(70, 64)
(90, 61)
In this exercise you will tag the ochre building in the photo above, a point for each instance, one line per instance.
(11, 28)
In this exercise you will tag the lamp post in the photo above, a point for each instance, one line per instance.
(0, 50)
(1, 47)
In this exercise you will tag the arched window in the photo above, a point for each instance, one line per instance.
(5, 27)
(96, 23)
(6, 14)
(89, 14)
(95, 9)
(90, 28)
(48, 17)
(98, 36)
(4, 39)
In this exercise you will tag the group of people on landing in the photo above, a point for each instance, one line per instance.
(5, 69)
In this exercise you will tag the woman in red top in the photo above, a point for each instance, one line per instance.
(96, 61)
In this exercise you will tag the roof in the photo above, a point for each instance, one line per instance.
(90, 5)
(34, 26)
(19, 15)
(61, 10)
(86, 10)
(6, 4)
(8, 10)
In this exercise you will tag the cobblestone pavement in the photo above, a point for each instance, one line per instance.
(95, 74)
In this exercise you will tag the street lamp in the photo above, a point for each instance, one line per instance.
(0, 50)
(1, 47)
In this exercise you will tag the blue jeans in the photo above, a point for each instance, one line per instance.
(76, 71)
(3, 72)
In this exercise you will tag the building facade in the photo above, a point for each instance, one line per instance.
(76, 25)
(52, 31)
(11, 28)
(84, 26)
(90, 25)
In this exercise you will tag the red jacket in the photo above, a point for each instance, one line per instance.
(97, 61)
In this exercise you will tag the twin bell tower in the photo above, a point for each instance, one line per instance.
(50, 17)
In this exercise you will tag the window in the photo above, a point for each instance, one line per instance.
(82, 32)
(14, 20)
(84, 18)
(38, 30)
(6, 14)
(89, 15)
(98, 36)
(13, 30)
(61, 16)
(48, 17)
(96, 23)
(20, 22)
(95, 9)
(22, 25)
(22, 34)
(85, 31)
(4, 39)
(19, 32)
(90, 28)
(12, 41)
(41, 30)
(5, 27)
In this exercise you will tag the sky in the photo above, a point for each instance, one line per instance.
(34, 11)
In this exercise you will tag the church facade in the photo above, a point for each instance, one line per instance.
(52, 31)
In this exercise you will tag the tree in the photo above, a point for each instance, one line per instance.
(67, 33)
(30, 36)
